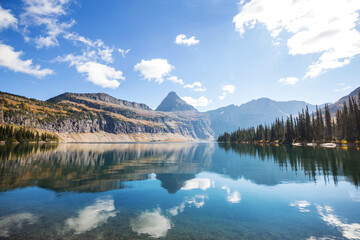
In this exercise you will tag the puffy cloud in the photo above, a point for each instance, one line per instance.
(10, 59)
(175, 79)
(197, 183)
(92, 216)
(154, 69)
(327, 27)
(196, 86)
(153, 223)
(6, 19)
(15, 220)
(342, 87)
(232, 197)
(159, 69)
(100, 74)
(181, 39)
(348, 230)
(289, 80)
(229, 88)
(197, 102)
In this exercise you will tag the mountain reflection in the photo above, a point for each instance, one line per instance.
(103, 167)
(312, 162)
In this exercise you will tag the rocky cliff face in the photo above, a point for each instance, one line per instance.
(73, 113)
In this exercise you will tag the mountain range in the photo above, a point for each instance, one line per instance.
(99, 117)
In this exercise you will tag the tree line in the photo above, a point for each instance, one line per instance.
(306, 127)
(10, 134)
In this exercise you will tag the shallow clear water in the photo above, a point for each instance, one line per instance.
(178, 191)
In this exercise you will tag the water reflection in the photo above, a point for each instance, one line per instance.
(152, 223)
(92, 216)
(197, 183)
(301, 205)
(232, 197)
(178, 190)
(103, 167)
(348, 230)
(313, 162)
(15, 222)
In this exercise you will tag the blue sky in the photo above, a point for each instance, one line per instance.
(212, 53)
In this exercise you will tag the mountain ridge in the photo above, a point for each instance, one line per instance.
(100, 117)
(253, 113)
(172, 103)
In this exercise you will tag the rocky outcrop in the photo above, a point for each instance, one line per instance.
(172, 103)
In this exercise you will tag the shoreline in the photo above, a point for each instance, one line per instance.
(333, 144)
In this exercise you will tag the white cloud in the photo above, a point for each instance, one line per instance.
(229, 88)
(100, 74)
(175, 79)
(6, 19)
(92, 216)
(10, 59)
(45, 13)
(97, 73)
(153, 223)
(197, 183)
(326, 27)
(289, 80)
(196, 87)
(348, 230)
(124, 52)
(154, 69)
(159, 69)
(197, 102)
(181, 39)
(96, 50)
(7, 223)
(342, 89)
(45, 7)
(232, 197)
(301, 205)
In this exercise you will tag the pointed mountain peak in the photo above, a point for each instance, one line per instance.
(173, 103)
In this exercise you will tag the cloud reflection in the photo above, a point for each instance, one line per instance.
(349, 231)
(301, 205)
(198, 201)
(15, 221)
(355, 196)
(232, 197)
(153, 223)
(92, 216)
(197, 183)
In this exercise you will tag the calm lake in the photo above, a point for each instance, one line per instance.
(178, 191)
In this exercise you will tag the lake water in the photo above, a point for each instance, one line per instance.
(178, 191)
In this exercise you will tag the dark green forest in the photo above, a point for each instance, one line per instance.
(10, 134)
(306, 127)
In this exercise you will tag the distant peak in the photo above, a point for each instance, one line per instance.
(172, 102)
